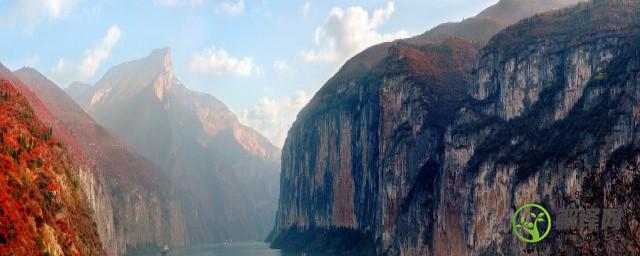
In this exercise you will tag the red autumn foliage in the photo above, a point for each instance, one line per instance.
(569, 25)
(89, 143)
(35, 186)
(436, 62)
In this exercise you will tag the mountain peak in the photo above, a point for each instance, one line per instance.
(165, 51)
(27, 69)
(31, 72)
(162, 56)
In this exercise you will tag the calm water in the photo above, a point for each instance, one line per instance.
(235, 249)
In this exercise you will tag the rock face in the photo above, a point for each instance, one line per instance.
(132, 201)
(42, 209)
(419, 153)
(225, 174)
(551, 119)
(347, 166)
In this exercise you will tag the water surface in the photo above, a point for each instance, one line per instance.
(235, 249)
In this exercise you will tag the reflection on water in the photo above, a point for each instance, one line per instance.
(235, 249)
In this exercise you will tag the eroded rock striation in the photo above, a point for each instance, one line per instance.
(431, 148)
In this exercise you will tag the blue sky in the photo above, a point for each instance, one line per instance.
(263, 58)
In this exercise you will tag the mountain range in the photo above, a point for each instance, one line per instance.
(225, 174)
(156, 163)
(420, 146)
(120, 184)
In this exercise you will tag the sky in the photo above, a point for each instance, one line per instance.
(264, 59)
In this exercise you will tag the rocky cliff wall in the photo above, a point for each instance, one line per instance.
(399, 154)
(131, 219)
(362, 162)
(546, 123)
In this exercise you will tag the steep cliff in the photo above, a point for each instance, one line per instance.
(226, 174)
(418, 153)
(552, 118)
(346, 166)
(43, 211)
(132, 201)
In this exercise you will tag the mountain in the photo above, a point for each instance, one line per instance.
(551, 117)
(347, 160)
(490, 21)
(120, 184)
(478, 29)
(427, 147)
(226, 174)
(43, 210)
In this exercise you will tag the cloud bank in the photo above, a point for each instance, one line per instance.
(217, 61)
(31, 13)
(347, 32)
(231, 8)
(65, 72)
(273, 117)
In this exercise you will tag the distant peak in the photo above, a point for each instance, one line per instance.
(26, 69)
(30, 72)
(161, 52)
(162, 56)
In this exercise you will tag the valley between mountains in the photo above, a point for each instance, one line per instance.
(176, 168)
(418, 146)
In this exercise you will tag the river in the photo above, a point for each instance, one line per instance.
(234, 249)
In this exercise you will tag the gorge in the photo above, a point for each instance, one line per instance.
(425, 145)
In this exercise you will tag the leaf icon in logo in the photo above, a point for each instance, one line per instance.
(526, 230)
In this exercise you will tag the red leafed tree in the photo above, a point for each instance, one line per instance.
(39, 206)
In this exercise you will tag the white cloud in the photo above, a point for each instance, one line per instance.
(60, 65)
(306, 9)
(217, 61)
(60, 74)
(281, 66)
(229, 7)
(65, 72)
(31, 13)
(273, 117)
(226, 7)
(178, 2)
(94, 57)
(347, 32)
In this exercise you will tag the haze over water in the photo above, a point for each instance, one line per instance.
(235, 249)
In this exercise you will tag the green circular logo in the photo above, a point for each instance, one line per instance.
(527, 220)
